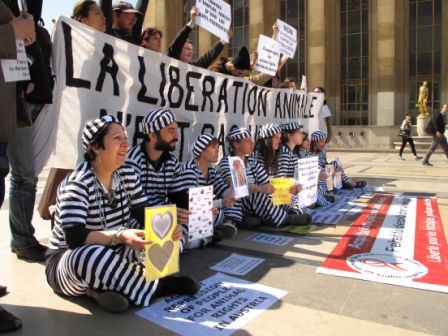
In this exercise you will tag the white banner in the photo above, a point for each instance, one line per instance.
(98, 74)
(307, 176)
(214, 16)
(268, 55)
(287, 37)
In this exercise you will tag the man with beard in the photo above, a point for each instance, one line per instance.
(160, 171)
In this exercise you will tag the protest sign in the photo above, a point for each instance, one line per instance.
(303, 85)
(397, 240)
(287, 37)
(237, 264)
(281, 194)
(223, 305)
(16, 69)
(214, 16)
(307, 176)
(268, 55)
(162, 256)
(200, 203)
(99, 74)
(238, 173)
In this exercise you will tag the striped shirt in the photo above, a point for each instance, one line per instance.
(157, 183)
(83, 202)
(193, 177)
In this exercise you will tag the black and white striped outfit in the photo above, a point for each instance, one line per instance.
(157, 183)
(82, 204)
(257, 204)
(322, 188)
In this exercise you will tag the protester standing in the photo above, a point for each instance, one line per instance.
(406, 136)
(438, 137)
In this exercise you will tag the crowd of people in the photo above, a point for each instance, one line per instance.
(98, 219)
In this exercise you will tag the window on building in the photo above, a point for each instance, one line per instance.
(240, 25)
(425, 51)
(194, 35)
(293, 13)
(354, 62)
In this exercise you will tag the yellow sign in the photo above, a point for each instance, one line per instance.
(282, 185)
(162, 256)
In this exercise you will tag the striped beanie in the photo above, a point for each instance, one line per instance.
(238, 133)
(318, 135)
(156, 119)
(291, 126)
(268, 131)
(93, 127)
(201, 142)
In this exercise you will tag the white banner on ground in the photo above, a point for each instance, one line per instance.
(397, 240)
(307, 176)
(222, 306)
(268, 55)
(287, 37)
(98, 74)
(214, 16)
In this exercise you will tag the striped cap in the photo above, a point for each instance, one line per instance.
(318, 135)
(238, 133)
(268, 131)
(155, 120)
(291, 126)
(93, 127)
(201, 142)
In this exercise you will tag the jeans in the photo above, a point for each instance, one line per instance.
(22, 192)
(436, 141)
(4, 170)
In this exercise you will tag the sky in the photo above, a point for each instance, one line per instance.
(52, 9)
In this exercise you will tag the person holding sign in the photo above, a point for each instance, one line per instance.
(257, 208)
(199, 172)
(94, 245)
(182, 48)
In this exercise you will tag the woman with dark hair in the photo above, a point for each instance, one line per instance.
(89, 13)
(405, 133)
(94, 245)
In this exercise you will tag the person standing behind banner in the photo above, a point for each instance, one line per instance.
(89, 13)
(182, 48)
(324, 116)
(405, 133)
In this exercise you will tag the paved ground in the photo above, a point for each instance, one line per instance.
(316, 304)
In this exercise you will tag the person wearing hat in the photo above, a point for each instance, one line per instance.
(94, 232)
(199, 171)
(159, 170)
(257, 208)
(182, 48)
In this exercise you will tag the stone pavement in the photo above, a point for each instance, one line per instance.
(316, 304)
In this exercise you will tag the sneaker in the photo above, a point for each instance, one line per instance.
(251, 222)
(110, 301)
(228, 229)
(30, 253)
(217, 236)
(426, 163)
(418, 157)
(330, 198)
(402, 158)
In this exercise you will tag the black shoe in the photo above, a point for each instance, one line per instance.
(426, 163)
(31, 253)
(228, 229)
(298, 220)
(217, 236)
(110, 301)
(251, 222)
(330, 198)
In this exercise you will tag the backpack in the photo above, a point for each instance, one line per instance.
(430, 129)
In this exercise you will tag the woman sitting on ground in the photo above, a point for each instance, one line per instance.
(95, 244)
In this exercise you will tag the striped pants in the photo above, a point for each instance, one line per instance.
(106, 269)
(322, 189)
(260, 205)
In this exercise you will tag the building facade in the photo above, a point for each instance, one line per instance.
(371, 56)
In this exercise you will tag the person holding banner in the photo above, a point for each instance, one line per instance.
(257, 208)
(89, 13)
(152, 39)
(182, 48)
(94, 245)
(199, 172)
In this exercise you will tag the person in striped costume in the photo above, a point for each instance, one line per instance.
(257, 208)
(95, 244)
(199, 171)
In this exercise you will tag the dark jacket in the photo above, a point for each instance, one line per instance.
(439, 123)
(205, 60)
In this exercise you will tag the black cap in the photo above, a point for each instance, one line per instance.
(241, 60)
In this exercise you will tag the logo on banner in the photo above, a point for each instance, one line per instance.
(387, 266)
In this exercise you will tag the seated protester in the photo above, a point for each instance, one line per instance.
(152, 39)
(182, 49)
(89, 13)
(199, 172)
(159, 171)
(94, 245)
(303, 150)
(257, 207)
(318, 142)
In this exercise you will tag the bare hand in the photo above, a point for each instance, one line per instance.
(215, 212)
(193, 14)
(228, 201)
(177, 233)
(274, 31)
(266, 188)
(183, 216)
(294, 190)
(322, 176)
(24, 29)
(230, 33)
(133, 238)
